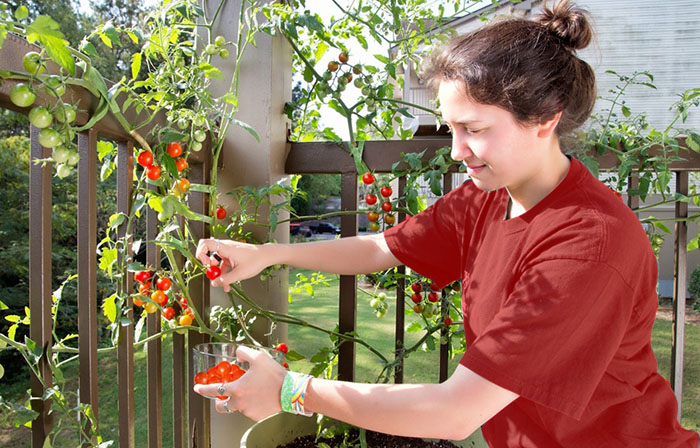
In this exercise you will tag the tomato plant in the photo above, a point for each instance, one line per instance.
(21, 95)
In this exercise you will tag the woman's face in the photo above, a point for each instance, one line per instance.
(497, 151)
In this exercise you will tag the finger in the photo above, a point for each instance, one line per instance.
(224, 406)
(212, 390)
(203, 248)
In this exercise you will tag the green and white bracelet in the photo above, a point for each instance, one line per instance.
(293, 393)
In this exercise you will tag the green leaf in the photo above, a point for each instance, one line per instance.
(47, 443)
(108, 259)
(247, 127)
(45, 30)
(692, 144)
(3, 307)
(170, 136)
(13, 318)
(626, 111)
(211, 72)
(21, 13)
(230, 98)
(11, 331)
(2, 371)
(291, 355)
(135, 65)
(382, 58)
(110, 308)
(414, 327)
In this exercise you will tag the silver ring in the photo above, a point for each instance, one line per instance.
(228, 411)
(220, 389)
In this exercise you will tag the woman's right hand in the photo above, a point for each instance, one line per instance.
(239, 261)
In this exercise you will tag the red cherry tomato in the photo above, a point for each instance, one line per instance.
(368, 179)
(145, 159)
(163, 283)
(223, 368)
(142, 276)
(174, 149)
(371, 199)
(434, 287)
(282, 347)
(385, 191)
(386, 206)
(213, 272)
(220, 212)
(181, 164)
(183, 302)
(416, 297)
(169, 313)
(159, 297)
(153, 172)
(448, 321)
(285, 365)
(372, 216)
(417, 287)
(145, 288)
(433, 297)
(201, 378)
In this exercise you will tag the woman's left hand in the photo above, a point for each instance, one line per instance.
(257, 393)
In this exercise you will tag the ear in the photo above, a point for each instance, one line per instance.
(546, 128)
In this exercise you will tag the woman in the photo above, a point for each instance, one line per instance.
(559, 279)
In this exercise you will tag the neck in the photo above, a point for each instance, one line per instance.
(549, 174)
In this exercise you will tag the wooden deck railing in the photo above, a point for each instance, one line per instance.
(328, 158)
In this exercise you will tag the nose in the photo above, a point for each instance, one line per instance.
(460, 149)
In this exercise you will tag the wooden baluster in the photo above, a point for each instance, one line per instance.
(348, 283)
(399, 334)
(680, 266)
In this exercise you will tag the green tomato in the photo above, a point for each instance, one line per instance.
(196, 146)
(374, 303)
(366, 90)
(60, 155)
(220, 41)
(199, 121)
(40, 117)
(381, 296)
(380, 313)
(49, 138)
(224, 53)
(327, 75)
(182, 123)
(32, 63)
(358, 82)
(63, 171)
(211, 49)
(200, 135)
(65, 113)
(73, 158)
(54, 86)
(21, 95)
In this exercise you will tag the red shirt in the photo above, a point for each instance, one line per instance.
(559, 305)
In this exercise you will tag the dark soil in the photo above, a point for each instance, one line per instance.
(374, 440)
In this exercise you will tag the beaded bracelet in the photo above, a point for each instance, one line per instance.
(293, 393)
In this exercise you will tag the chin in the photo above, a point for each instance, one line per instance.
(484, 186)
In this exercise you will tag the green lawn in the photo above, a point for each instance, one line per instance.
(322, 309)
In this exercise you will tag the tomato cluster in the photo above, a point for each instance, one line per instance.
(377, 210)
(153, 299)
(339, 74)
(283, 348)
(425, 299)
(223, 372)
(379, 305)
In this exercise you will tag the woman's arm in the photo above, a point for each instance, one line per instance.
(450, 410)
(350, 256)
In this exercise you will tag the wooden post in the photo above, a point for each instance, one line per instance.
(679, 290)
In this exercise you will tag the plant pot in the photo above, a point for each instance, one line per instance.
(282, 428)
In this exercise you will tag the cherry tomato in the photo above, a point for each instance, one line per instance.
(159, 297)
(390, 219)
(169, 313)
(285, 365)
(448, 321)
(200, 378)
(373, 216)
(371, 199)
(418, 308)
(181, 164)
(357, 69)
(182, 186)
(150, 307)
(386, 206)
(153, 172)
(32, 63)
(200, 135)
(374, 226)
(21, 95)
(213, 272)
(40, 117)
(416, 297)
(223, 368)
(235, 373)
(163, 283)
(185, 320)
(434, 287)
(49, 138)
(220, 41)
(145, 288)
(183, 302)
(282, 347)
(65, 113)
(220, 212)
(417, 287)
(138, 302)
(368, 179)
(145, 159)
(343, 57)
(385, 191)
(433, 297)
(333, 66)
(142, 276)
(174, 149)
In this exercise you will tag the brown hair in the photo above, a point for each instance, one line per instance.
(528, 67)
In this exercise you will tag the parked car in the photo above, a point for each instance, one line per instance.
(325, 227)
(297, 228)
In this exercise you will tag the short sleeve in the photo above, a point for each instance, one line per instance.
(556, 334)
(430, 242)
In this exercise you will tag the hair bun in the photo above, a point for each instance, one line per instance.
(569, 23)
